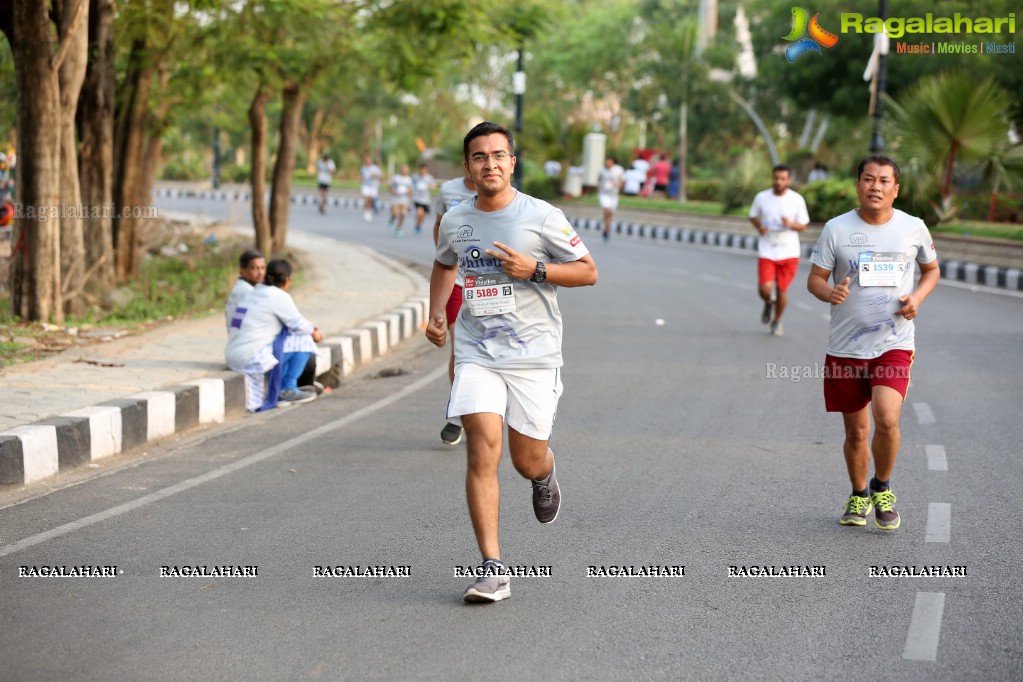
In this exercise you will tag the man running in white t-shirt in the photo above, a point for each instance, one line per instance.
(513, 251)
(369, 176)
(779, 214)
(609, 182)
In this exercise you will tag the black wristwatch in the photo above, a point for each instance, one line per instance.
(540, 276)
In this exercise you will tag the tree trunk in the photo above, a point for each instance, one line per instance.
(683, 144)
(35, 251)
(257, 122)
(96, 146)
(153, 150)
(314, 139)
(280, 194)
(129, 149)
(74, 29)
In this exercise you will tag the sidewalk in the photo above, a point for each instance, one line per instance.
(95, 401)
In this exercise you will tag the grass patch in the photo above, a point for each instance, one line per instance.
(171, 284)
(666, 205)
(978, 228)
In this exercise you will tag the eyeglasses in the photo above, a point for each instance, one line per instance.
(480, 157)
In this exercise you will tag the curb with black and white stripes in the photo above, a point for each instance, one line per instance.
(954, 270)
(37, 451)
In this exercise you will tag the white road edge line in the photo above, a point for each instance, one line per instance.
(221, 471)
(924, 627)
(936, 459)
(923, 413)
(939, 522)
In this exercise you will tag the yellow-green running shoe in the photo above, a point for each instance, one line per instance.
(885, 516)
(856, 510)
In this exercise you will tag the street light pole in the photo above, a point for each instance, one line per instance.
(519, 87)
(877, 138)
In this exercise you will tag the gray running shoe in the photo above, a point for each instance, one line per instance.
(295, 396)
(451, 434)
(546, 498)
(493, 585)
(777, 329)
(765, 316)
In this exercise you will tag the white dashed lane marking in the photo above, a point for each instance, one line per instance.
(924, 627)
(936, 459)
(939, 522)
(923, 413)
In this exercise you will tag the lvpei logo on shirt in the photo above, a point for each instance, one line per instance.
(818, 38)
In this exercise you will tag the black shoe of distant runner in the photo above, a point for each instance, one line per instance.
(765, 316)
(451, 434)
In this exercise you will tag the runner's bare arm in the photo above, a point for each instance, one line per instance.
(929, 276)
(817, 284)
(442, 281)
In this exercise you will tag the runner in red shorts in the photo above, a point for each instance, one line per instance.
(452, 193)
(870, 253)
(779, 214)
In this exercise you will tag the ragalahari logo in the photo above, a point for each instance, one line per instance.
(818, 36)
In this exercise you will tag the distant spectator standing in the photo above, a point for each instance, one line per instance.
(633, 181)
(422, 184)
(401, 195)
(661, 171)
(257, 343)
(325, 170)
(609, 182)
(369, 176)
(779, 214)
(819, 172)
(552, 168)
(674, 180)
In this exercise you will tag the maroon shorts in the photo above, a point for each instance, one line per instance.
(454, 304)
(848, 382)
(783, 270)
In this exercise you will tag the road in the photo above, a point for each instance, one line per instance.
(681, 443)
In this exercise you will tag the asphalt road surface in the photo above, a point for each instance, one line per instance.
(682, 440)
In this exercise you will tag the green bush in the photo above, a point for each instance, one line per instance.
(235, 173)
(179, 169)
(750, 174)
(703, 190)
(826, 199)
(975, 206)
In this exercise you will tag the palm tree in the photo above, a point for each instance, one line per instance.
(946, 122)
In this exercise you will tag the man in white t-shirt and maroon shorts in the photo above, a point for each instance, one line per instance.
(779, 214)
(870, 253)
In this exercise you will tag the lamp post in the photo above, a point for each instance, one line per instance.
(519, 88)
(877, 137)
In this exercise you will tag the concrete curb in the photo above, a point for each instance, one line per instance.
(37, 451)
(958, 271)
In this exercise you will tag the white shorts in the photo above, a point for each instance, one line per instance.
(527, 399)
(370, 192)
(608, 203)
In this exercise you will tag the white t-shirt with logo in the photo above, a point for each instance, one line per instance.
(529, 336)
(780, 243)
(370, 178)
(609, 180)
(421, 186)
(865, 325)
(401, 189)
(325, 171)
